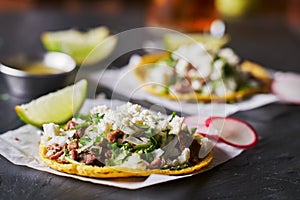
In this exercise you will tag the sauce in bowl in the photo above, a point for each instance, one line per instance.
(39, 68)
(27, 75)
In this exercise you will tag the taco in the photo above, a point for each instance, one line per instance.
(125, 142)
(192, 73)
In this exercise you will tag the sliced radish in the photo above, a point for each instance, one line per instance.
(286, 86)
(229, 130)
(232, 131)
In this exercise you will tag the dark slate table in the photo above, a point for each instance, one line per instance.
(270, 170)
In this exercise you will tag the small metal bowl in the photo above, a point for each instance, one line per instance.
(22, 83)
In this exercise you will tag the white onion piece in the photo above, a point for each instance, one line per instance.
(135, 141)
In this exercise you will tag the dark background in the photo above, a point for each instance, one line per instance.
(270, 35)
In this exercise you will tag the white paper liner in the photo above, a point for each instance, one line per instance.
(20, 147)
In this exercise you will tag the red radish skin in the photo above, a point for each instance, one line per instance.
(208, 120)
(286, 86)
(249, 132)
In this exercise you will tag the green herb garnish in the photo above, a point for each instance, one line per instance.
(173, 115)
(193, 130)
(96, 118)
(84, 140)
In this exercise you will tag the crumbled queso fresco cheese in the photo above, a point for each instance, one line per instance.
(160, 75)
(195, 54)
(229, 55)
(130, 114)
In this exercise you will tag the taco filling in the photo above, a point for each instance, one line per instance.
(193, 72)
(128, 137)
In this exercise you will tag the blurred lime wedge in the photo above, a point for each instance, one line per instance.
(235, 8)
(172, 41)
(57, 107)
(85, 47)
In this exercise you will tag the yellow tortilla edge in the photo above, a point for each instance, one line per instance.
(116, 172)
(256, 70)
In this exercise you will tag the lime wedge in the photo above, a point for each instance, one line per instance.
(57, 107)
(79, 45)
(173, 41)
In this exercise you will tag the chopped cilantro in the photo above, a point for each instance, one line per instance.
(114, 145)
(127, 146)
(173, 115)
(228, 70)
(231, 101)
(170, 61)
(84, 140)
(96, 118)
(92, 119)
(216, 57)
(153, 145)
(243, 86)
(193, 130)
(166, 90)
(98, 139)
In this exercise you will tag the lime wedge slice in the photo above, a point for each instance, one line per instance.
(80, 44)
(173, 41)
(57, 107)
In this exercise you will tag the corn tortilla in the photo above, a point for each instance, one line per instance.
(116, 172)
